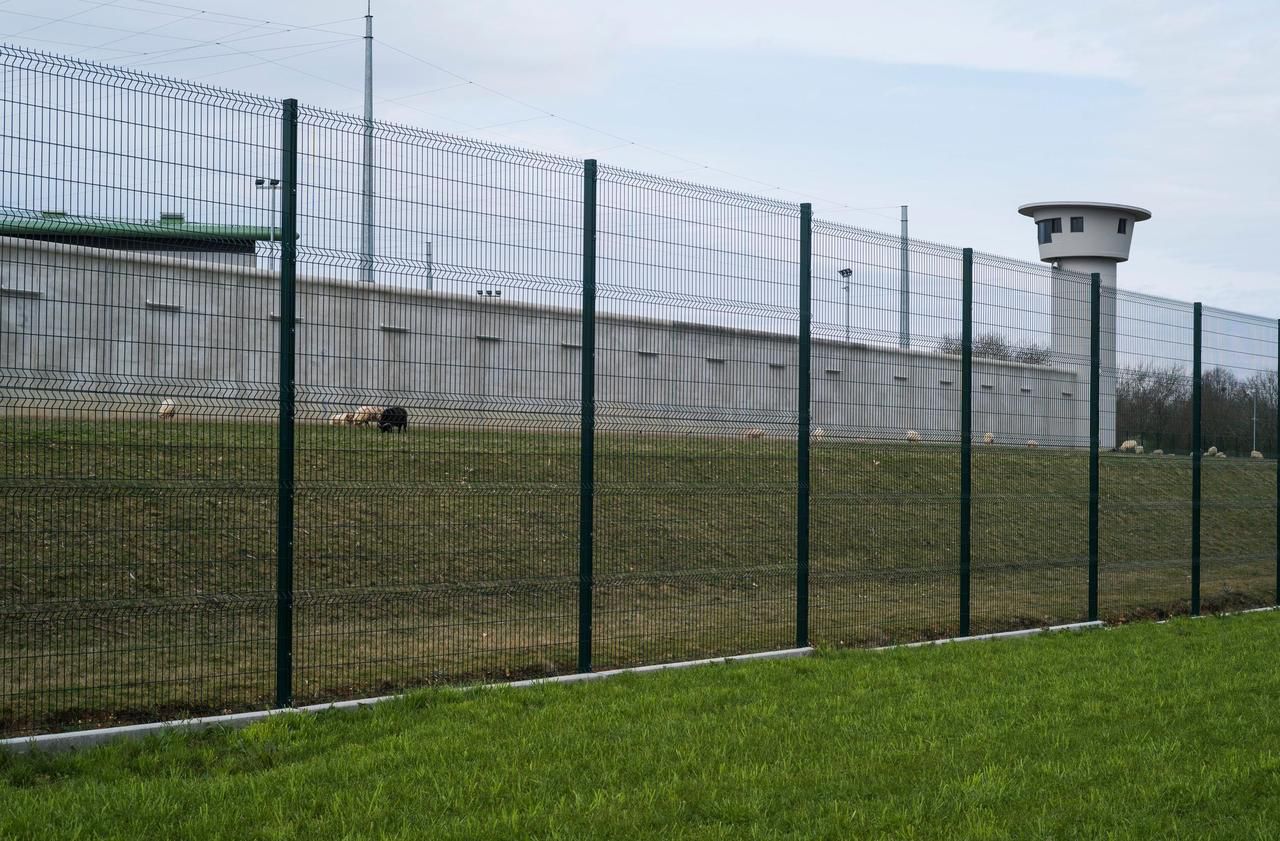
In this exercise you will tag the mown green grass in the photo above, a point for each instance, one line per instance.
(138, 558)
(1147, 731)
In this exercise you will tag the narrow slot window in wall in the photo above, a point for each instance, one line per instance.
(777, 366)
(1025, 390)
(481, 337)
(20, 293)
(902, 378)
(392, 328)
(161, 306)
(833, 370)
(647, 353)
(946, 382)
(987, 385)
(715, 360)
(571, 345)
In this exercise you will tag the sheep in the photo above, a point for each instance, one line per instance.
(913, 436)
(342, 419)
(1138, 450)
(1255, 454)
(1157, 452)
(366, 415)
(817, 435)
(168, 409)
(1129, 446)
(1212, 451)
(1033, 443)
(753, 433)
(393, 417)
(1222, 455)
(989, 438)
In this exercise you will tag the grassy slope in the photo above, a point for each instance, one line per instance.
(1150, 731)
(138, 558)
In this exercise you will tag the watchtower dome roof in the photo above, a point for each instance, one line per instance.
(1139, 214)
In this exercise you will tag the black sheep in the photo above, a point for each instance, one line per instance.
(393, 417)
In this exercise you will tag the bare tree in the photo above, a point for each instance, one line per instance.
(996, 346)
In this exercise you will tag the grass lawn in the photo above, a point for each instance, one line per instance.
(1146, 731)
(137, 557)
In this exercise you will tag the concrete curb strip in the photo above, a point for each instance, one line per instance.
(56, 742)
(1002, 635)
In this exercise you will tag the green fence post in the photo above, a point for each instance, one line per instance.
(966, 434)
(1196, 445)
(1278, 462)
(284, 489)
(1095, 410)
(586, 458)
(803, 422)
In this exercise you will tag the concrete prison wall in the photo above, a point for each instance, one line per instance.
(88, 330)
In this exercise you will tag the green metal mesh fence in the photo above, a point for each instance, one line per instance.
(444, 549)
(696, 384)
(278, 427)
(886, 461)
(1145, 509)
(1238, 513)
(1030, 542)
(137, 411)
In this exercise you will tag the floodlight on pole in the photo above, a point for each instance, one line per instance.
(272, 185)
(846, 273)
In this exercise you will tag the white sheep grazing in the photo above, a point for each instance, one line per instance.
(1222, 455)
(1033, 443)
(167, 410)
(988, 438)
(1212, 451)
(817, 435)
(1129, 446)
(366, 415)
(1138, 449)
(1157, 452)
(753, 433)
(913, 436)
(1255, 454)
(343, 419)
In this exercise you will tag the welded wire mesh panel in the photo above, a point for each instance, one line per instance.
(1030, 508)
(1145, 507)
(438, 378)
(696, 391)
(1238, 483)
(137, 481)
(886, 415)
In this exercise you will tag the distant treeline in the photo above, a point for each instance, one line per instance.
(1153, 406)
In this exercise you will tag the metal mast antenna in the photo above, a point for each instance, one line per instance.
(904, 286)
(366, 186)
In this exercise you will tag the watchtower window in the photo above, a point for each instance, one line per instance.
(1123, 227)
(1046, 228)
(1077, 224)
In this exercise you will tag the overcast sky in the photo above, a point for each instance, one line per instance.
(961, 110)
